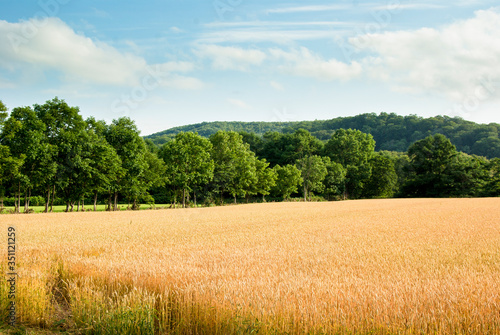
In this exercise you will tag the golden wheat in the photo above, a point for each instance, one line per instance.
(381, 266)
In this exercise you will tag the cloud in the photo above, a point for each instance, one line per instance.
(302, 62)
(277, 86)
(314, 8)
(239, 103)
(51, 45)
(453, 60)
(277, 36)
(230, 58)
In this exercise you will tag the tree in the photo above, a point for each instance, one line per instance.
(154, 175)
(266, 178)
(469, 175)
(3, 114)
(188, 162)
(234, 170)
(65, 131)
(353, 150)
(430, 163)
(24, 134)
(313, 171)
(492, 187)
(287, 180)
(9, 169)
(335, 176)
(383, 180)
(124, 136)
(287, 148)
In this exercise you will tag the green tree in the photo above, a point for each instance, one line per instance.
(64, 130)
(3, 114)
(313, 171)
(288, 180)
(266, 178)
(188, 162)
(24, 134)
(383, 180)
(105, 164)
(234, 170)
(9, 169)
(492, 187)
(335, 176)
(430, 162)
(353, 150)
(469, 175)
(124, 137)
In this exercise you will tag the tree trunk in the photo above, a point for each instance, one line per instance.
(134, 206)
(235, 199)
(95, 201)
(78, 206)
(184, 198)
(109, 202)
(27, 196)
(305, 193)
(115, 205)
(194, 194)
(83, 205)
(47, 201)
(67, 207)
(29, 200)
(18, 200)
(52, 200)
(72, 204)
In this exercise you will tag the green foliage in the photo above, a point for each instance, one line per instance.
(492, 187)
(234, 170)
(335, 177)
(288, 180)
(390, 131)
(266, 178)
(383, 180)
(438, 170)
(188, 162)
(430, 163)
(312, 171)
(353, 150)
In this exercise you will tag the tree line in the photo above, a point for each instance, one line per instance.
(50, 152)
(391, 132)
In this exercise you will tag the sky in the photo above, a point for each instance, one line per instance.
(167, 63)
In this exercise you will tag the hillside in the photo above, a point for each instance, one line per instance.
(391, 132)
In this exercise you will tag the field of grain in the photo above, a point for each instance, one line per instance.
(408, 266)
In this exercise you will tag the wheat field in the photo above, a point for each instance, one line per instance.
(399, 266)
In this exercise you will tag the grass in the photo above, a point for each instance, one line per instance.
(407, 266)
(100, 208)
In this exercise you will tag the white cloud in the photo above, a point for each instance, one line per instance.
(277, 36)
(453, 60)
(50, 45)
(314, 8)
(230, 58)
(268, 24)
(239, 103)
(277, 86)
(302, 62)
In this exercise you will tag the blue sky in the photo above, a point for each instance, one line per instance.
(175, 62)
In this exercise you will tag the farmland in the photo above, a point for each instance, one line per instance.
(407, 266)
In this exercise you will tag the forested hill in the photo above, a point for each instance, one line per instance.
(390, 131)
